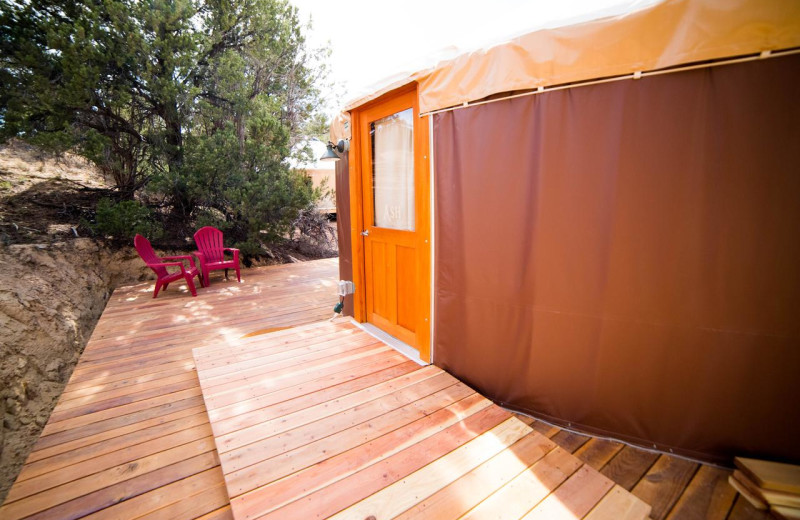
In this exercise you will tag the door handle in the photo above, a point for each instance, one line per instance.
(365, 233)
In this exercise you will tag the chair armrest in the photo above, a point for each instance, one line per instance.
(180, 257)
(172, 264)
(234, 251)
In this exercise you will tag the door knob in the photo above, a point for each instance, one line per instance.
(365, 233)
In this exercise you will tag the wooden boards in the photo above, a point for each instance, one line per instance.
(768, 485)
(781, 503)
(130, 436)
(773, 476)
(325, 421)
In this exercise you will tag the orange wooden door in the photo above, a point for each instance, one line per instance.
(394, 180)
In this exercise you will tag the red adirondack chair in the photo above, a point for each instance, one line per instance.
(159, 266)
(211, 253)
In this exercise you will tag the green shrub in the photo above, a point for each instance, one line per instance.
(123, 220)
(211, 217)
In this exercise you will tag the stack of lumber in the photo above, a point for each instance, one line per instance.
(769, 485)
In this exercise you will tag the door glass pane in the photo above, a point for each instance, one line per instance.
(393, 170)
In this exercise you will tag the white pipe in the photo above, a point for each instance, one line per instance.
(636, 75)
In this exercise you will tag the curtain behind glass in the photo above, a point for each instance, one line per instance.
(393, 171)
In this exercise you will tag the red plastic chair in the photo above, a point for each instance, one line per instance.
(159, 266)
(211, 253)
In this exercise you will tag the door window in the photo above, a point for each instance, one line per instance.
(392, 140)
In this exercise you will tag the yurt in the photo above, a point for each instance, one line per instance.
(597, 224)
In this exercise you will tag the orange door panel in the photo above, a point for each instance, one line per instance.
(392, 158)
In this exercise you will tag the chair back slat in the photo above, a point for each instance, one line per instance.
(209, 242)
(149, 256)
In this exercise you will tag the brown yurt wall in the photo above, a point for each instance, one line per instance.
(343, 226)
(625, 257)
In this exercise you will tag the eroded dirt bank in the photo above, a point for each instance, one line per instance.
(51, 296)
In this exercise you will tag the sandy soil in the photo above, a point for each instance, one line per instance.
(44, 198)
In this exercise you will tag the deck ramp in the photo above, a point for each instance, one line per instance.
(326, 421)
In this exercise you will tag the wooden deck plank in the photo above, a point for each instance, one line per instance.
(620, 505)
(298, 440)
(234, 395)
(249, 454)
(130, 431)
(309, 470)
(570, 441)
(744, 510)
(327, 408)
(574, 498)
(525, 491)
(747, 493)
(598, 452)
(785, 512)
(674, 471)
(307, 386)
(156, 413)
(708, 496)
(63, 486)
(629, 466)
(218, 359)
(249, 383)
(302, 354)
(103, 415)
(54, 505)
(98, 403)
(548, 430)
(188, 488)
(223, 513)
(466, 492)
(343, 493)
(246, 419)
(124, 381)
(403, 494)
(192, 506)
(133, 442)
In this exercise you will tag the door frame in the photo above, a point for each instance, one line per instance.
(422, 219)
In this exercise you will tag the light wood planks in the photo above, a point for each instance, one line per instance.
(130, 435)
(773, 498)
(774, 476)
(327, 422)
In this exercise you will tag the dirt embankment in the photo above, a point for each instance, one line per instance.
(51, 296)
(53, 288)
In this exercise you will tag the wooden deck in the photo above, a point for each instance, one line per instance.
(329, 422)
(130, 436)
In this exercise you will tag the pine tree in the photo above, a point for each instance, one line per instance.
(200, 102)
